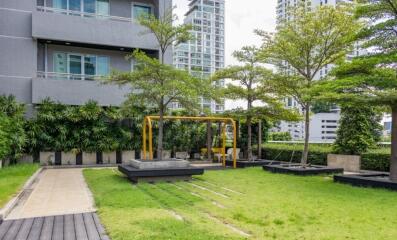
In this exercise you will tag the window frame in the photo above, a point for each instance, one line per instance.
(151, 6)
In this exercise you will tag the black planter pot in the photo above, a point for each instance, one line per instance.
(58, 158)
(119, 157)
(79, 158)
(377, 180)
(297, 169)
(99, 158)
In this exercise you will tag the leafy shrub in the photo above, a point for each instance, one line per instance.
(12, 134)
(375, 159)
(90, 128)
(358, 131)
(280, 136)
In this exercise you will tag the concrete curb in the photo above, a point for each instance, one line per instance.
(14, 201)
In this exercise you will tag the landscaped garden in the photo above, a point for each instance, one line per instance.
(237, 204)
(12, 179)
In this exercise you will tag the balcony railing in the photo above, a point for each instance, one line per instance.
(83, 14)
(68, 76)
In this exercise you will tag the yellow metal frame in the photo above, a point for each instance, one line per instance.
(147, 123)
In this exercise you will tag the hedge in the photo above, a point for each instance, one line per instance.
(375, 159)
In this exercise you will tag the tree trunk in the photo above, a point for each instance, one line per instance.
(249, 138)
(209, 141)
(160, 137)
(260, 139)
(307, 135)
(393, 160)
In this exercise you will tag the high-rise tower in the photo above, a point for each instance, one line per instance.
(205, 54)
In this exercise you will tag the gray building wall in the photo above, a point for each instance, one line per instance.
(21, 56)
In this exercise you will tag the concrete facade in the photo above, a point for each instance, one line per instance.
(30, 31)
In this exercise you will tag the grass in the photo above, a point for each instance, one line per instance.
(12, 180)
(228, 204)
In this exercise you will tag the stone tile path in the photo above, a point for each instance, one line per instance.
(57, 192)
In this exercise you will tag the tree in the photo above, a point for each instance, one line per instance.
(155, 83)
(359, 129)
(254, 83)
(371, 79)
(302, 47)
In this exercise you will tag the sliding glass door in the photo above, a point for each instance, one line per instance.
(75, 5)
(75, 66)
(89, 6)
(60, 4)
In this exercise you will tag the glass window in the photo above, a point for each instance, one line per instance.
(141, 10)
(89, 6)
(60, 62)
(60, 4)
(102, 66)
(89, 66)
(75, 66)
(75, 5)
(102, 7)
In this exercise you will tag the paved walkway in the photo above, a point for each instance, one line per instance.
(58, 192)
(84, 226)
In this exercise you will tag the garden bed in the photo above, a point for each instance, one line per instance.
(155, 171)
(377, 180)
(377, 159)
(298, 169)
(257, 163)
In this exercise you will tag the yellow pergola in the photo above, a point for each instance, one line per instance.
(147, 124)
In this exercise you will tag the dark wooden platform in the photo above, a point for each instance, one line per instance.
(373, 180)
(256, 163)
(136, 175)
(296, 170)
(84, 226)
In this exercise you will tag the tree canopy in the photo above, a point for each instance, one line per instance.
(301, 48)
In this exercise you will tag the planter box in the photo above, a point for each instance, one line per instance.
(350, 163)
(297, 170)
(89, 158)
(375, 180)
(126, 156)
(68, 158)
(47, 158)
(160, 175)
(26, 159)
(109, 158)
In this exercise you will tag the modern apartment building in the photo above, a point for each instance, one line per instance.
(57, 48)
(205, 54)
(323, 125)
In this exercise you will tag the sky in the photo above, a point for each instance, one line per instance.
(241, 19)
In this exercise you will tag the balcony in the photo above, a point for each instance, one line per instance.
(90, 28)
(75, 89)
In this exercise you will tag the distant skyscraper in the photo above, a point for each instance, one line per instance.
(323, 125)
(205, 54)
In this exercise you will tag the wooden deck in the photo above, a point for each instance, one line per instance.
(84, 226)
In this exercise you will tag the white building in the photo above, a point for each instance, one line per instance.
(205, 54)
(323, 126)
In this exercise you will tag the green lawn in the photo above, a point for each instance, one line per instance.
(229, 204)
(12, 179)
